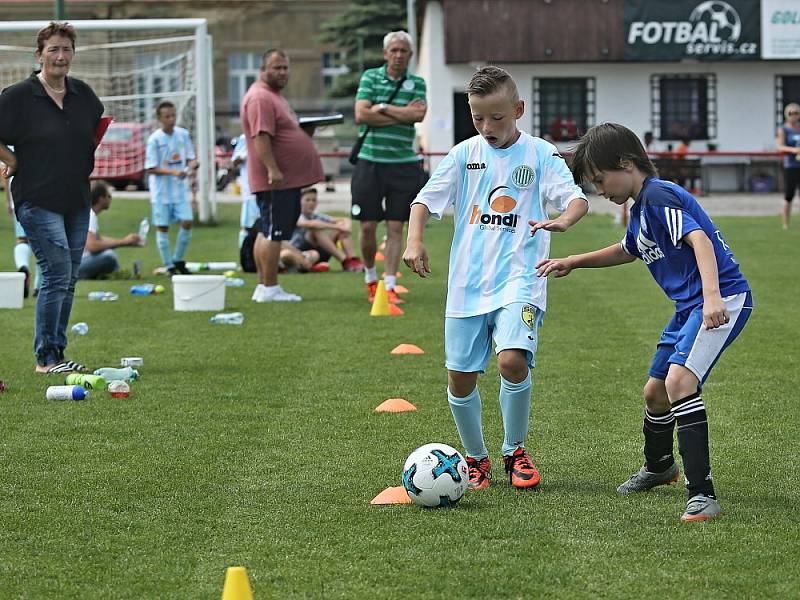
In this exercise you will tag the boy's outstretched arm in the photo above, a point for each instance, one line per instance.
(416, 256)
(715, 314)
(576, 209)
(607, 257)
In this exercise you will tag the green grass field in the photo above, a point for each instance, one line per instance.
(257, 445)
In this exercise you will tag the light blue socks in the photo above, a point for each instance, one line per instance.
(515, 404)
(162, 241)
(184, 236)
(467, 415)
(22, 255)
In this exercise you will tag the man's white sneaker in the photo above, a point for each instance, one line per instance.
(276, 294)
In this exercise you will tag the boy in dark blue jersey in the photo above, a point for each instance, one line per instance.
(688, 257)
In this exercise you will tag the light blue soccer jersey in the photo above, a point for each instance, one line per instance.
(169, 151)
(663, 214)
(240, 152)
(494, 192)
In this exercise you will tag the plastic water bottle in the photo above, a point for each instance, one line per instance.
(234, 318)
(80, 329)
(194, 267)
(119, 389)
(145, 289)
(123, 374)
(221, 266)
(144, 228)
(89, 382)
(234, 281)
(103, 296)
(66, 392)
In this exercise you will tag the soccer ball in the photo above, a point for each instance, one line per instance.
(721, 13)
(435, 475)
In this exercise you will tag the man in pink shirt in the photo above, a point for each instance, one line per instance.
(286, 161)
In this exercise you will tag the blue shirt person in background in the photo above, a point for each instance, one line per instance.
(689, 258)
(788, 142)
(497, 182)
(169, 161)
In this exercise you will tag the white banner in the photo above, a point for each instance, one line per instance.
(780, 29)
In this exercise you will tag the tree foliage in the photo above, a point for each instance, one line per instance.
(359, 33)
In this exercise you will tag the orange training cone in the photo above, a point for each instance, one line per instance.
(396, 311)
(380, 305)
(400, 289)
(236, 587)
(408, 349)
(379, 256)
(391, 495)
(395, 405)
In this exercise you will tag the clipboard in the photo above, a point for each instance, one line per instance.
(320, 121)
(100, 130)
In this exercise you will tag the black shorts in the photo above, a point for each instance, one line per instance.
(304, 245)
(791, 182)
(280, 210)
(398, 183)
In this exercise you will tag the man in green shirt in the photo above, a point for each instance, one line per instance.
(387, 167)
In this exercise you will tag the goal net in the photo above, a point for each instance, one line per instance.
(132, 65)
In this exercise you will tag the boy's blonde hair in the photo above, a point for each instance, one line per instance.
(491, 79)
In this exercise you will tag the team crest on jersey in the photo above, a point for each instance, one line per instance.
(529, 315)
(523, 176)
(408, 85)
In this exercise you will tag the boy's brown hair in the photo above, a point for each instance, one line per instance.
(604, 147)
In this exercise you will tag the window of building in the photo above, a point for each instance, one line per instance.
(787, 89)
(333, 65)
(242, 73)
(684, 106)
(563, 107)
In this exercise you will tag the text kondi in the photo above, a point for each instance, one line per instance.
(478, 216)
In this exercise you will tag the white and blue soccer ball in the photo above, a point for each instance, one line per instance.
(435, 475)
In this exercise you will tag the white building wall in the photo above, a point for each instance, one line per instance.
(745, 92)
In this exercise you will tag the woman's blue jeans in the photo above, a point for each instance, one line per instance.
(57, 242)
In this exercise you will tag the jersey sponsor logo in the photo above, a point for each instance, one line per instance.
(502, 219)
(523, 176)
(648, 249)
(475, 166)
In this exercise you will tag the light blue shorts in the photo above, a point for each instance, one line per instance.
(468, 340)
(250, 212)
(686, 342)
(164, 214)
(18, 230)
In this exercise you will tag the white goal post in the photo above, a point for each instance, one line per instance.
(132, 65)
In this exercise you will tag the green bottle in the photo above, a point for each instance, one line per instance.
(90, 382)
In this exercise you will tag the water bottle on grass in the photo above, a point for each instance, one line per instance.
(103, 296)
(234, 318)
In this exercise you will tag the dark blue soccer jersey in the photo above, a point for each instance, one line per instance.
(660, 218)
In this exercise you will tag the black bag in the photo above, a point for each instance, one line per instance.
(354, 152)
(246, 255)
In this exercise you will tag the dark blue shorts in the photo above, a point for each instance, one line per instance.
(280, 210)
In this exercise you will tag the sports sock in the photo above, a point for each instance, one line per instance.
(162, 241)
(242, 236)
(390, 281)
(181, 243)
(515, 404)
(22, 255)
(370, 274)
(690, 415)
(467, 415)
(658, 431)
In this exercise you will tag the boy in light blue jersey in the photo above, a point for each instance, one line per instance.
(498, 182)
(169, 161)
(691, 261)
(249, 213)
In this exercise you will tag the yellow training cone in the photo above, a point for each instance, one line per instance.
(237, 587)
(380, 306)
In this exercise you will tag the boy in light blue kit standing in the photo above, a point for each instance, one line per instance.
(169, 160)
(498, 182)
(689, 258)
(249, 213)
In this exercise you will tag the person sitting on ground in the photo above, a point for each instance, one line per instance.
(294, 260)
(99, 258)
(321, 232)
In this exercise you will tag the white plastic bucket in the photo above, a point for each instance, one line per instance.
(11, 289)
(198, 292)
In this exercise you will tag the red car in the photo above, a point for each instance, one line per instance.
(119, 159)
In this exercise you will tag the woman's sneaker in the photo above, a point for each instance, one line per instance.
(521, 470)
(701, 508)
(644, 480)
(480, 473)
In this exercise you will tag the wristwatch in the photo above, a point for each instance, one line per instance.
(382, 107)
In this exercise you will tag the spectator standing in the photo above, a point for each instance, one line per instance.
(788, 139)
(51, 120)
(170, 160)
(99, 258)
(283, 161)
(388, 102)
